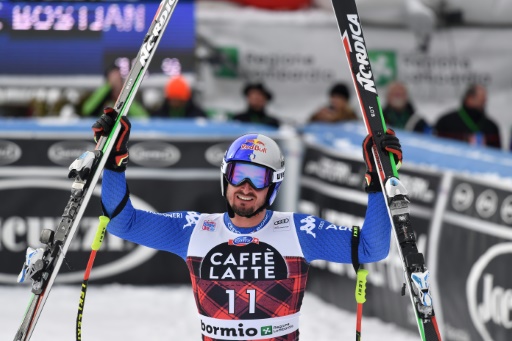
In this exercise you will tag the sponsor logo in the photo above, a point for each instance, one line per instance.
(255, 144)
(376, 154)
(334, 171)
(364, 74)
(154, 154)
(22, 229)
(65, 152)
(286, 67)
(506, 210)
(308, 225)
(280, 176)
(384, 66)
(488, 300)
(239, 330)
(148, 46)
(282, 327)
(341, 219)
(462, 197)
(192, 218)
(282, 225)
(445, 72)
(215, 153)
(174, 215)
(266, 330)
(255, 261)
(208, 225)
(228, 65)
(337, 228)
(487, 203)
(244, 240)
(233, 332)
(261, 225)
(282, 221)
(10, 152)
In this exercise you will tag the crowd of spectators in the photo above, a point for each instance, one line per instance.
(468, 122)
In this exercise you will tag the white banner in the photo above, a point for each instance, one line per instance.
(300, 55)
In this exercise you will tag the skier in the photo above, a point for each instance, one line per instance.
(249, 265)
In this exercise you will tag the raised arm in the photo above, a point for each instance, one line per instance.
(321, 239)
(169, 231)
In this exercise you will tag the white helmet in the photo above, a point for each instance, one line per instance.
(255, 150)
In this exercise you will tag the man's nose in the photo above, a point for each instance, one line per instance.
(245, 186)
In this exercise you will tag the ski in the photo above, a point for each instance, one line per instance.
(42, 265)
(413, 263)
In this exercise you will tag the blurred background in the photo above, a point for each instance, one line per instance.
(224, 68)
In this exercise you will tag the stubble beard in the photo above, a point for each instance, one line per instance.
(245, 212)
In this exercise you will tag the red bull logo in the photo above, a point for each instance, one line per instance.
(255, 144)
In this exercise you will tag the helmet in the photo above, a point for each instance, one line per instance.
(260, 150)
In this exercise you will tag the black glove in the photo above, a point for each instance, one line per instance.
(389, 143)
(118, 158)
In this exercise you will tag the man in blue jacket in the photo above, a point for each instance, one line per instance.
(248, 265)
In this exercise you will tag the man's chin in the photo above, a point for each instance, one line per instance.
(243, 212)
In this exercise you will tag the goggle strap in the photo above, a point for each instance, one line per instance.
(278, 175)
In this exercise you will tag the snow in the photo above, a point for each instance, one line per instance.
(123, 312)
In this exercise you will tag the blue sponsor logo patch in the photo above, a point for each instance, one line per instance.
(244, 240)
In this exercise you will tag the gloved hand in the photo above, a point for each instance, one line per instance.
(389, 143)
(118, 158)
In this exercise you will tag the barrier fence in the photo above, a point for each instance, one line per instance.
(462, 218)
(461, 209)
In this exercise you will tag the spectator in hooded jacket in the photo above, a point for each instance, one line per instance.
(257, 97)
(469, 122)
(178, 101)
(338, 109)
(399, 111)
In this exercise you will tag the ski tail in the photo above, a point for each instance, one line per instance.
(413, 263)
(86, 171)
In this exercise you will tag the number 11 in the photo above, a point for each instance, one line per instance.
(252, 300)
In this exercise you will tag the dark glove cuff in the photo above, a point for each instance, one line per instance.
(372, 183)
(113, 165)
(117, 169)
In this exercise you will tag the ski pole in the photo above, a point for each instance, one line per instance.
(95, 246)
(360, 299)
(360, 279)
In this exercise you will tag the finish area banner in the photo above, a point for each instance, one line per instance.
(299, 56)
(463, 226)
(475, 253)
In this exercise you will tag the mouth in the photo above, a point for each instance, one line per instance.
(244, 197)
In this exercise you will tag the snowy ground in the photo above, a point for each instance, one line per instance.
(119, 312)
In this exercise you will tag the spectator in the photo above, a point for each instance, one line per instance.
(107, 94)
(257, 97)
(399, 112)
(338, 108)
(178, 101)
(469, 123)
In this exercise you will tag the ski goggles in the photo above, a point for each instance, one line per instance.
(258, 177)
